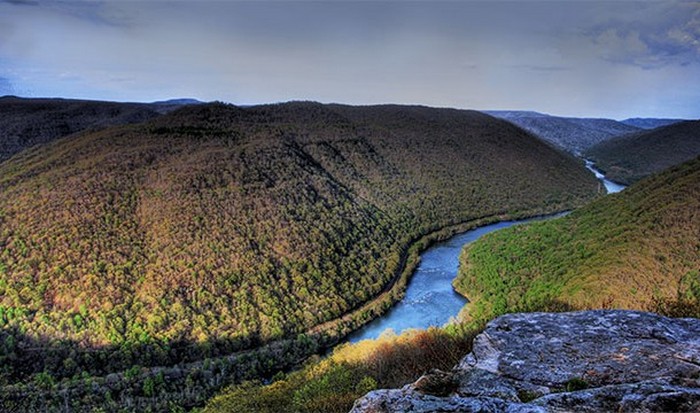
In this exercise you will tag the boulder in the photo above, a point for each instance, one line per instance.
(586, 361)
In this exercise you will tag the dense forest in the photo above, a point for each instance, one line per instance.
(574, 135)
(333, 383)
(28, 122)
(185, 240)
(651, 123)
(637, 249)
(634, 249)
(629, 158)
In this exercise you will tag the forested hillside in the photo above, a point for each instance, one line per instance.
(638, 249)
(632, 250)
(216, 228)
(574, 135)
(650, 123)
(631, 157)
(28, 122)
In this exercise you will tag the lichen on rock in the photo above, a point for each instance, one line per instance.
(587, 361)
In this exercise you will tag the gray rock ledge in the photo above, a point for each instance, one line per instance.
(586, 361)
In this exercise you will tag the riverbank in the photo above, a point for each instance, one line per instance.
(611, 186)
(430, 300)
(389, 361)
(190, 384)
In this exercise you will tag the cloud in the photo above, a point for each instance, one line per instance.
(569, 58)
(21, 2)
(95, 12)
(6, 87)
(663, 36)
(542, 68)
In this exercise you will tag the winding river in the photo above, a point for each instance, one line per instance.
(430, 299)
(611, 186)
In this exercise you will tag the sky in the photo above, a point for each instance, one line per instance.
(588, 59)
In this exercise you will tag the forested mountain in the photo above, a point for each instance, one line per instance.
(636, 249)
(650, 123)
(167, 106)
(216, 228)
(627, 250)
(27, 122)
(631, 157)
(571, 134)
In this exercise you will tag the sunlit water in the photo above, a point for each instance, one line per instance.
(430, 299)
(611, 186)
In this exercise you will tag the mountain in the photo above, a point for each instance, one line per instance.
(625, 250)
(215, 229)
(180, 101)
(517, 114)
(167, 106)
(570, 134)
(28, 122)
(650, 123)
(631, 157)
(635, 249)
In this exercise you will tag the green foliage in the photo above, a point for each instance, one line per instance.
(630, 158)
(576, 384)
(152, 385)
(132, 372)
(44, 380)
(28, 122)
(217, 229)
(526, 396)
(686, 302)
(338, 385)
(333, 384)
(637, 249)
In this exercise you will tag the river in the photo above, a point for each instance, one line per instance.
(430, 299)
(611, 186)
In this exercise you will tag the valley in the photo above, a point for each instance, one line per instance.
(392, 361)
(574, 135)
(158, 262)
(430, 300)
(349, 206)
(214, 229)
(629, 158)
(634, 250)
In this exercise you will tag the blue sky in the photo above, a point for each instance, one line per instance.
(613, 59)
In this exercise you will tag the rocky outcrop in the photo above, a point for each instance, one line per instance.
(588, 361)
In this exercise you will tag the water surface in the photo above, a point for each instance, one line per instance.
(430, 299)
(611, 186)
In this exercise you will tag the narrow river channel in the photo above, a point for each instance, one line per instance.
(430, 299)
(611, 186)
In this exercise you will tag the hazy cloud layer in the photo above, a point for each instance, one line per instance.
(6, 87)
(671, 38)
(591, 59)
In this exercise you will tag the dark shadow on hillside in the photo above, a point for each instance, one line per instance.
(36, 375)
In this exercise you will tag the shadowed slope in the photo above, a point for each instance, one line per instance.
(574, 135)
(630, 158)
(217, 224)
(625, 250)
(28, 122)
(627, 247)
(650, 123)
